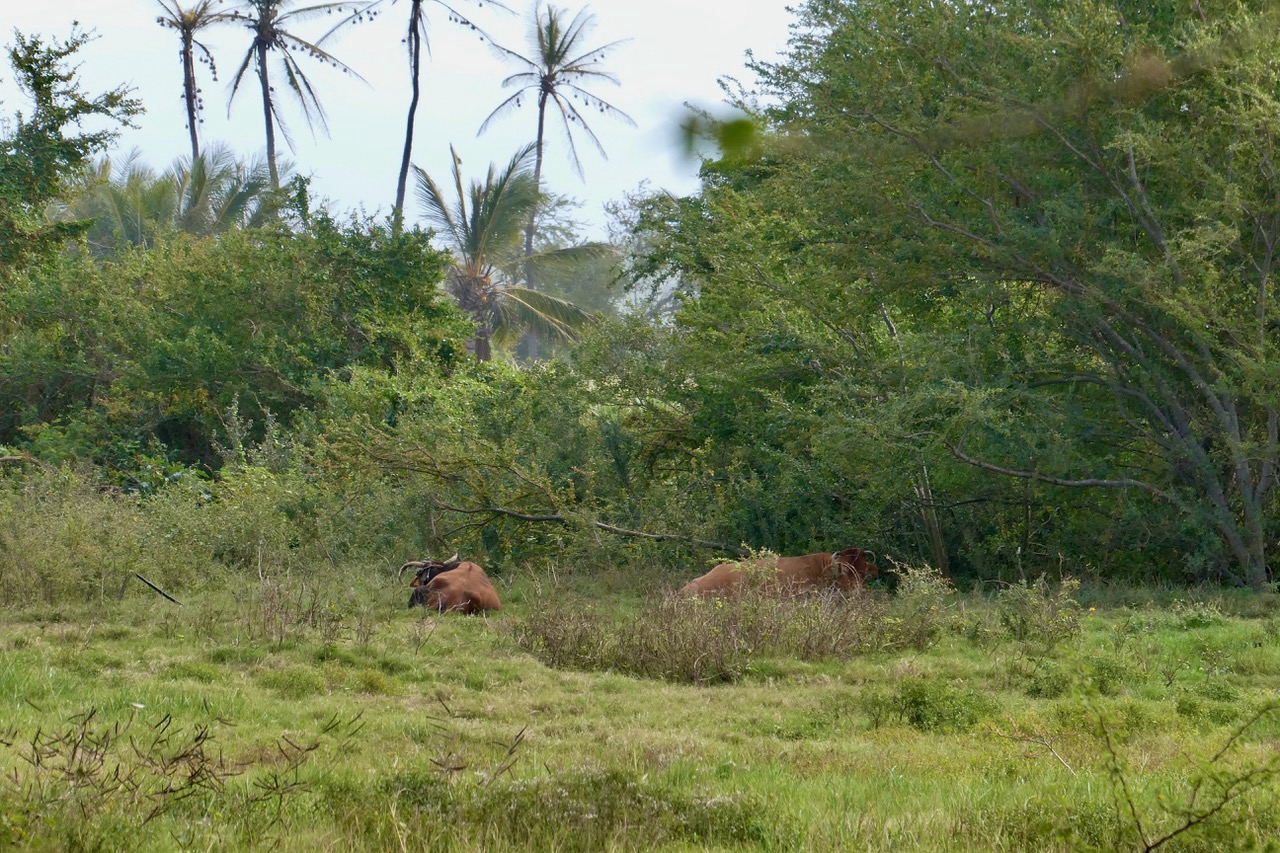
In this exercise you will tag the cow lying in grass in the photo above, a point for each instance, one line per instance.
(845, 570)
(451, 586)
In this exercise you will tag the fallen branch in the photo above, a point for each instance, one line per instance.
(153, 586)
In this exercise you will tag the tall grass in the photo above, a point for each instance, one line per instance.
(715, 640)
(321, 714)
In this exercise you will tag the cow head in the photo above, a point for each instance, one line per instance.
(852, 567)
(425, 570)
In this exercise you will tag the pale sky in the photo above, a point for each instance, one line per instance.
(677, 50)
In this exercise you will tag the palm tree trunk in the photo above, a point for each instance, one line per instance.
(483, 348)
(531, 227)
(189, 92)
(266, 111)
(415, 59)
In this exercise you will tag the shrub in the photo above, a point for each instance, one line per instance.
(931, 705)
(923, 601)
(706, 641)
(1040, 612)
(1049, 680)
(1108, 675)
(922, 584)
(64, 539)
(1197, 614)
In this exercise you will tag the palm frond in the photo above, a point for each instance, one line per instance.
(521, 310)
(238, 77)
(436, 205)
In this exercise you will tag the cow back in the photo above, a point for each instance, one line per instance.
(846, 570)
(724, 579)
(810, 571)
(465, 589)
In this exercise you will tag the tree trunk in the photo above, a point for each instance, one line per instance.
(415, 60)
(531, 227)
(189, 91)
(481, 346)
(267, 115)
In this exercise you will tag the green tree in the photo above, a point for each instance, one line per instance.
(558, 69)
(38, 155)
(590, 281)
(147, 350)
(1076, 202)
(269, 22)
(128, 203)
(188, 23)
(482, 225)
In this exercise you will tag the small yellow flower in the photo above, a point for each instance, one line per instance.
(1091, 609)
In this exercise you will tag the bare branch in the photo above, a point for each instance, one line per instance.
(1058, 481)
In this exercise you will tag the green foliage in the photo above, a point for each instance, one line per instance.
(62, 540)
(140, 356)
(482, 225)
(931, 705)
(983, 241)
(40, 154)
(1040, 612)
(131, 206)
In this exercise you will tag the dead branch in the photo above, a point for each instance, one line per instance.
(1056, 481)
(156, 588)
(1036, 738)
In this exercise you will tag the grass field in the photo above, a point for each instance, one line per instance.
(311, 716)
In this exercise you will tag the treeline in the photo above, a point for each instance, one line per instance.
(987, 287)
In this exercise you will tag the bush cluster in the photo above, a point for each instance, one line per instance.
(705, 641)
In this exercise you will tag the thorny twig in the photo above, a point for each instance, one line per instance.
(1033, 737)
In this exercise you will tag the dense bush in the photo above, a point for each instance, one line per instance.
(705, 641)
(139, 355)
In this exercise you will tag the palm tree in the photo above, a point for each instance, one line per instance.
(267, 20)
(188, 22)
(217, 193)
(557, 69)
(482, 226)
(416, 38)
(131, 205)
(128, 203)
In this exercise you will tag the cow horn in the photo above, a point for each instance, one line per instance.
(453, 559)
(415, 563)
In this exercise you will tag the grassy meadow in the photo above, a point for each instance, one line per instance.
(307, 715)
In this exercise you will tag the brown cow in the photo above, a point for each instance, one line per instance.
(845, 570)
(451, 586)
